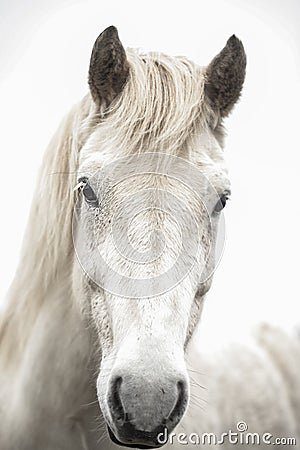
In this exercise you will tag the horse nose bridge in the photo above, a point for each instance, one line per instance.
(153, 335)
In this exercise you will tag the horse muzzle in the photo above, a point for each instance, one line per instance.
(141, 410)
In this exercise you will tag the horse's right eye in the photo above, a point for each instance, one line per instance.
(89, 195)
(221, 203)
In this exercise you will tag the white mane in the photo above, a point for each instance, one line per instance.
(47, 244)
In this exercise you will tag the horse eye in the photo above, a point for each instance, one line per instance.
(221, 203)
(89, 194)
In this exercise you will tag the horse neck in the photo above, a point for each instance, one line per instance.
(54, 373)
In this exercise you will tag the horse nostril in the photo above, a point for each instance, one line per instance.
(114, 400)
(180, 405)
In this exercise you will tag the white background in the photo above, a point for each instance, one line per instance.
(44, 55)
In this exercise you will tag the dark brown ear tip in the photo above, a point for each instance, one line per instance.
(235, 42)
(108, 35)
(110, 31)
(233, 38)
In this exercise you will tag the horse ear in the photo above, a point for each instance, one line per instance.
(225, 77)
(109, 68)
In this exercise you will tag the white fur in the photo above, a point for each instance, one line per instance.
(53, 335)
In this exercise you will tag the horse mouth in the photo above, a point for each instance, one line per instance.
(134, 444)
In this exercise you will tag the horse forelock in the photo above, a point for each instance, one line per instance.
(161, 106)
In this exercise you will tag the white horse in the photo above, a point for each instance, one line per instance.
(113, 274)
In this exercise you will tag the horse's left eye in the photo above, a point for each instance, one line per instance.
(89, 195)
(221, 203)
